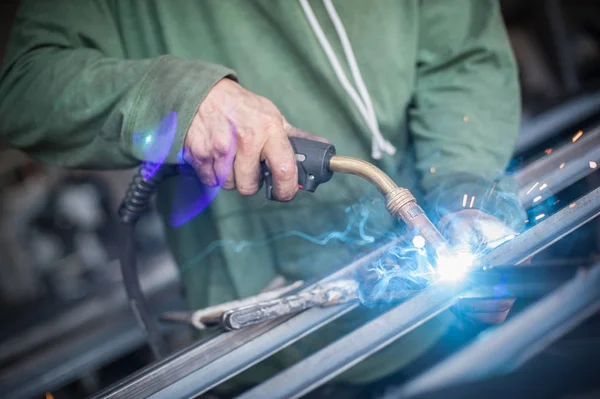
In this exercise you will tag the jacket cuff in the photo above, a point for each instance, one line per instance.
(461, 191)
(161, 108)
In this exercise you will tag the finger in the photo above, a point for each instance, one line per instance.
(280, 159)
(293, 131)
(224, 147)
(246, 166)
(247, 172)
(198, 154)
(229, 183)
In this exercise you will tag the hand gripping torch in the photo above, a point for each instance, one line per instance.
(316, 163)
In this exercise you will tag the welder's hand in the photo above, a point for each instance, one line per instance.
(481, 232)
(232, 132)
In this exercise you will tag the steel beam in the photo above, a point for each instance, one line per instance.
(347, 351)
(188, 370)
(549, 124)
(552, 173)
(204, 365)
(510, 345)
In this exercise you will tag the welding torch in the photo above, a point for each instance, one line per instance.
(316, 163)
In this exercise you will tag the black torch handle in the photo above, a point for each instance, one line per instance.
(312, 158)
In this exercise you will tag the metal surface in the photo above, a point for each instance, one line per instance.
(513, 343)
(547, 232)
(323, 295)
(211, 316)
(552, 122)
(205, 365)
(201, 367)
(572, 161)
(344, 353)
(350, 349)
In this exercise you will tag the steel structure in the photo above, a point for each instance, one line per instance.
(570, 162)
(205, 365)
(545, 126)
(520, 339)
(366, 340)
(208, 363)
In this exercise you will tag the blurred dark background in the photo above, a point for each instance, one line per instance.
(65, 326)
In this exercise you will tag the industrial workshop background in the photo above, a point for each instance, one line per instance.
(66, 330)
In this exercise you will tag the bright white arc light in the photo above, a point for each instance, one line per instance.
(454, 266)
(419, 241)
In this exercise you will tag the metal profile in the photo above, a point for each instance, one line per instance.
(322, 366)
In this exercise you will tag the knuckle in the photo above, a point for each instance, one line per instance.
(208, 107)
(285, 170)
(222, 146)
(246, 135)
(272, 125)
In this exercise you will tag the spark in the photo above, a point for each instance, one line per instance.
(49, 395)
(536, 199)
(532, 187)
(472, 202)
(593, 165)
(432, 169)
(548, 151)
(572, 205)
(577, 136)
(543, 186)
(562, 165)
(526, 221)
(540, 216)
(465, 200)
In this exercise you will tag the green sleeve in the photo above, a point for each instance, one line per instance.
(69, 97)
(465, 116)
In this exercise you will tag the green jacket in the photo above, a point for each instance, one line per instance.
(85, 81)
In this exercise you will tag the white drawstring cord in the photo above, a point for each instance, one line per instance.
(362, 102)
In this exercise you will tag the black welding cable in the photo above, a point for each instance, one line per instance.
(135, 295)
(136, 202)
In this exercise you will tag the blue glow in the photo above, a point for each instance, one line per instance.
(154, 145)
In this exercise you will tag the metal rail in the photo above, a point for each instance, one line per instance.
(577, 158)
(518, 340)
(548, 124)
(322, 366)
(204, 366)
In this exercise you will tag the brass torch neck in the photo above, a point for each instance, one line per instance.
(367, 171)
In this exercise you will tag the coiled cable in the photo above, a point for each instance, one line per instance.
(135, 203)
